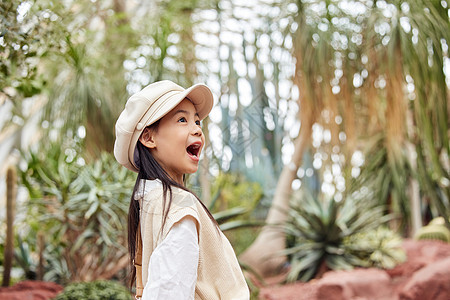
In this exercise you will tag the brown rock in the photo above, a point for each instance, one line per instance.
(421, 255)
(355, 284)
(293, 291)
(430, 283)
(31, 290)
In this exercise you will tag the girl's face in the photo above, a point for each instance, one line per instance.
(176, 143)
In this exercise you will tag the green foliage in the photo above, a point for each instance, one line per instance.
(23, 257)
(168, 43)
(379, 247)
(96, 290)
(29, 32)
(232, 190)
(388, 177)
(89, 89)
(430, 105)
(22, 260)
(24, 41)
(413, 122)
(81, 209)
(234, 198)
(55, 50)
(318, 229)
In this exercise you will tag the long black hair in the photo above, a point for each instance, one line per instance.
(150, 169)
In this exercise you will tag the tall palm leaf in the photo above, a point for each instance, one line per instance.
(415, 28)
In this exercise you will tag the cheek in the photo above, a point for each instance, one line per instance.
(203, 142)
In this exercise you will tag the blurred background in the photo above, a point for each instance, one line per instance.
(329, 134)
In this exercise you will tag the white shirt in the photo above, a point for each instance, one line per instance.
(172, 271)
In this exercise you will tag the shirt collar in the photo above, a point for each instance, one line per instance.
(146, 186)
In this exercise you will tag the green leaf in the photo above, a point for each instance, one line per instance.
(229, 213)
(81, 239)
(239, 224)
(92, 209)
(310, 260)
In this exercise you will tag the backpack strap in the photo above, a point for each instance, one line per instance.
(138, 263)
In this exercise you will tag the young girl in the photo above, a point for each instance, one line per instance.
(184, 253)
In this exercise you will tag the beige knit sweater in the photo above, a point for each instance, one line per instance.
(218, 275)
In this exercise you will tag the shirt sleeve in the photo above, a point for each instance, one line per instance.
(172, 270)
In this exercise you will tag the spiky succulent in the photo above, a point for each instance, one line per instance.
(318, 230)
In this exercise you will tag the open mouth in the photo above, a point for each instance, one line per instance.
(193, 149)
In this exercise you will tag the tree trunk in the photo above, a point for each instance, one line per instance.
(263, 256)
(11, 192)
(413, 189)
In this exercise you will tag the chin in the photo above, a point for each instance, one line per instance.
(192, 171)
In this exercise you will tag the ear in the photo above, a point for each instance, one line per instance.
(147, 138)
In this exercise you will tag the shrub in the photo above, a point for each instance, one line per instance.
(95, 290)
(233, 200)
(82, 211)
(319, 231)
(379, 247)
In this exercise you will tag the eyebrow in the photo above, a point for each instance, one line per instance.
(181, 111)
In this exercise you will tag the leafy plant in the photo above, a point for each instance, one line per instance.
(387, 179)
(233, 201)
(232, 190)
(380, 247)
(81, 209)
(318, 230)
(23, 257)
(96, 290)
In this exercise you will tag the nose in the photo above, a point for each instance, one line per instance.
(197, 130)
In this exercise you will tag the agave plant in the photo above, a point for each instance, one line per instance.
(318, 230)
(23, 258)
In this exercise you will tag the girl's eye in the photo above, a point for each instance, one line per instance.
(183, 119)
(198, 123)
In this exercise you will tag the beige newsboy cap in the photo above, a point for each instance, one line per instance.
(148, 106)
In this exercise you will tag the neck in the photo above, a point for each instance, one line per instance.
(177, 178)
(180, 181)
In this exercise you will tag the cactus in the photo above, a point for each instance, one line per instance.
(436, 230)
(11, 191)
